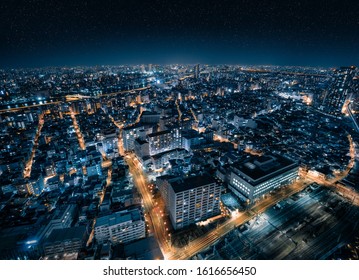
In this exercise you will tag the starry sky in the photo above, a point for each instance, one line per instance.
(37, 33)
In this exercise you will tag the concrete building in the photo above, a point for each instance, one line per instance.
(244, 121)
(162, 159)
(196, 71)
(150, 117)
(159, 141)
(258, 175)
(192, 139)
(120, 227)
(190, 200)
(94, 169)
(130, 133)
(142, 148)
(62, 218)
(64, 241)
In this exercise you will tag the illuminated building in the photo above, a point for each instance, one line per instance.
(190, 200)
(165, 140)
(129, 134)
(159, 141)
(36, 185)
(120, 227)
(258, 175)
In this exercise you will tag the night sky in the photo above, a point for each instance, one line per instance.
(59, 32)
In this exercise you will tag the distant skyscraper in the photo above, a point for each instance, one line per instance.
(149, 67)
(196, 71)
(340, 91)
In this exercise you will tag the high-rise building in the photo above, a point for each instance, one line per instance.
(159, 141)
(120, 227)
(141, 148)
(258, 175)
(196, 71)
(190, 200)
(340, 91)
(129, 134)
(165, 140)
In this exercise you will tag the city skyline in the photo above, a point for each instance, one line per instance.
(179, 130)
(304, 33)
(179, 162)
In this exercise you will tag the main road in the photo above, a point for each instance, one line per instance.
(212, 236)
(28, 164)
(76, 126)
(153, 211)
(334, 183)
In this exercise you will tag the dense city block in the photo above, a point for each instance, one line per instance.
(179, 162)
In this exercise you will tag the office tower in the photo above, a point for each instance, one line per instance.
(196, 71)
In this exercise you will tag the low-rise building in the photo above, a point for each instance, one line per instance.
(258, 175)
(120, 227)
(64, 241)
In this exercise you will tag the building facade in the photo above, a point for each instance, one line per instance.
(64, 241)
(159, 141)
(120, 227)
(258, 175)
(190, 200)
(129, 134)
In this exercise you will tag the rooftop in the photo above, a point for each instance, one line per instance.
(257, 169)
(144, 249)
(136, 125)
(148, 113)
(66, 234)
(140, 141)
(158, 133)
(192, 183)
(119, 217)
